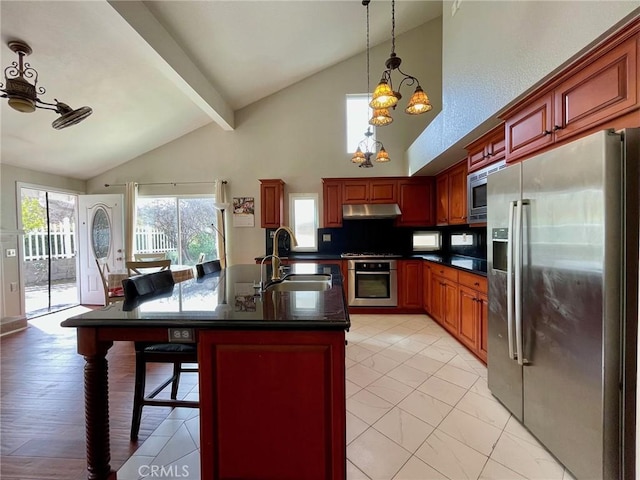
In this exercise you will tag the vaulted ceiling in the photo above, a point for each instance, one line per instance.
(156, 70)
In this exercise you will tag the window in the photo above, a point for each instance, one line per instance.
(178, 226)
(358, 115)
(303, 214)
(426, 241)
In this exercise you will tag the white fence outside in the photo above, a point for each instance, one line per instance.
(64, 241)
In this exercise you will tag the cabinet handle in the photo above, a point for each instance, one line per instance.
(547, 132)
(557, 127)
(477, 284)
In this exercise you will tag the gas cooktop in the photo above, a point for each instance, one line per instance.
(369, 255)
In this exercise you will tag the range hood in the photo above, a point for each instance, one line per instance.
(370, 211)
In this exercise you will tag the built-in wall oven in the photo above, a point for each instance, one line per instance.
(477, 192)
(372, 282)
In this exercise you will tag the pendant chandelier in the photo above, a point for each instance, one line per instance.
(385, 97)
(23, 96)
(369, 146)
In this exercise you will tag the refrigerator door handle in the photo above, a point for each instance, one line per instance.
(518, 281)
(510, 293)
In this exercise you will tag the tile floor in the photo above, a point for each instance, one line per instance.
(418, 408)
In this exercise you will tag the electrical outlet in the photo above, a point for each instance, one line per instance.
(11, 252)
(326, 237)
(181, 335)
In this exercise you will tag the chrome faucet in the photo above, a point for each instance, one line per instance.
(275, 258)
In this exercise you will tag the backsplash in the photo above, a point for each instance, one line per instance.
(381, 236)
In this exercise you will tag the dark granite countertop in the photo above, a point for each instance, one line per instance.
(226, 300)
(469, 264)
(461, 262)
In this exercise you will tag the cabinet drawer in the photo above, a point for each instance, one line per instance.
(446, 272)
(477, 282)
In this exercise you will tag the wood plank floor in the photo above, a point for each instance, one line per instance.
(42, 402)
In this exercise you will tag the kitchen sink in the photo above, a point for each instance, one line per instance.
(301, 282)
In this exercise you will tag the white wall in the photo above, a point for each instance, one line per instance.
(297, 134)
(493, 52)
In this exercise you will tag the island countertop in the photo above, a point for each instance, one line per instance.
(227, 300)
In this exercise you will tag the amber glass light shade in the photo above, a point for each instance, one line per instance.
(381, 117)
(358, 156)
(383, 96)
(382, 156)
(418, 103)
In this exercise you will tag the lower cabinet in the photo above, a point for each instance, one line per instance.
(410, 284)
(272, 404)
(460, 304)
(426, 286)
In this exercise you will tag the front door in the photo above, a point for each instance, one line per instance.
(101, 235)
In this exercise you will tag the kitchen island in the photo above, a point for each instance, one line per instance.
(271, 371)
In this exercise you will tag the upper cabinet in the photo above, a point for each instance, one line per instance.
(414, 195)
(415, 198)
(369, 191)
(451, 195)
(486, 150)
(332, 202)
(271, 203)
(599, 91)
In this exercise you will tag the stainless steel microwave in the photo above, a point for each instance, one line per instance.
(477, 192)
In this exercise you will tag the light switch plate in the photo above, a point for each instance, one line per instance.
(326, 237)
(11, 252)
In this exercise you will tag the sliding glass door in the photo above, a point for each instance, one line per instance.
(49, 250)
(181, 227)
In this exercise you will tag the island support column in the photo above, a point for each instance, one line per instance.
(96, 404)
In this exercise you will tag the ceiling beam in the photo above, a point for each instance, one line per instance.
(179, 67)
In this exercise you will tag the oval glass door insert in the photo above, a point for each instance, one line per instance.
(101, 233)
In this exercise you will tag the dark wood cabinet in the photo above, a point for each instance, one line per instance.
(600, 90)
(530, 129)
(451, 195)
(355, 191)
(277, 398)
(332, 202)
(444, 297)
(442, 199)
(458, 194)
(369, 191)
(468, 329)
(458, 301)
(415, 198)
(426, 286)
(410, 284)
(488, 149)
(451, 309)
(383, 191)
(483, 328)
(474, 309)
(271, 203)
(587, 96)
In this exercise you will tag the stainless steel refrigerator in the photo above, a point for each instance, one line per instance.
(563, 299)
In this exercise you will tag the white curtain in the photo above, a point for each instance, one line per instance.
(130, 196)
(221, 206)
